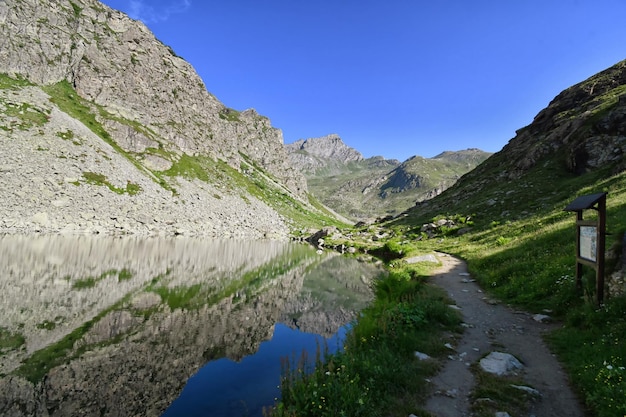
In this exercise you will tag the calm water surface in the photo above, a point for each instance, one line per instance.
(175, 327)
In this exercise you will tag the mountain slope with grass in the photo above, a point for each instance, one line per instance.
(107, 130)
(361, 188)
(520, 244)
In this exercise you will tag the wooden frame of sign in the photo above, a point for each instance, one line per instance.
(590, 239)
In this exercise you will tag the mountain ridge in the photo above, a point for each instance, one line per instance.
(363, 188)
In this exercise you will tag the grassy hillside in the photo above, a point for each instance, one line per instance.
(521, 248)
(377, 187)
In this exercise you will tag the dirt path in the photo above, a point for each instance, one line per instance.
(494, 327)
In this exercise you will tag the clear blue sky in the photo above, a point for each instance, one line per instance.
(395, 78)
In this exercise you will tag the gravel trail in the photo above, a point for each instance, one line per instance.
(494, 327)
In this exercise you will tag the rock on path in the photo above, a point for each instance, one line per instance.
(490, 327)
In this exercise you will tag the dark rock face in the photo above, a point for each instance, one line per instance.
(586, 123)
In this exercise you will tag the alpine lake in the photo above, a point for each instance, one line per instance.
(127, 326)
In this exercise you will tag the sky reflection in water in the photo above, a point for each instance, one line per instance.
(224, 388)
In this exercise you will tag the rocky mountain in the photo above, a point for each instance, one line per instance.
(580, 134)
(360, 188)
(312, 154)
(106, 129)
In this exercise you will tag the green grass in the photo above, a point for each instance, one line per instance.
(391, 188)
(47, 325)
(378, 372)
(494, 394)
(246, 284)
(65, 97)
(10, 83)
(100, 179)
(520, 245)
(27, 115)
(255, 182)
(90, 282)
(593, 349)
(35, 367)
(230, 115)
(10, 340)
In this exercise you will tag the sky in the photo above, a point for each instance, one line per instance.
(394, 78)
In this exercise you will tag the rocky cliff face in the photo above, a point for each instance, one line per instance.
(585, 123)
(135, 94)
(310, 155)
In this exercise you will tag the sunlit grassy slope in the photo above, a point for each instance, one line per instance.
(521, 248)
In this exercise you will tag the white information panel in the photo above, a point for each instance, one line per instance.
(588, 243)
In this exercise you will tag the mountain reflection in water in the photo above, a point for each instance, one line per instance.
(116, 326)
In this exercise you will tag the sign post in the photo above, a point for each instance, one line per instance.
(590, 239)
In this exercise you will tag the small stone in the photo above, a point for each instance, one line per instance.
(452, 393)
(421, 356)
(423, 258)
(529, 390)
(500, 363)
(63, 202)
(542, 318)
(40, 218)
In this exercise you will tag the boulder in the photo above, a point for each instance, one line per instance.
(500, 363)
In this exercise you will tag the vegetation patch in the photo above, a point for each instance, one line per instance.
(246, 285)
(90, 282)
(65, 97)
(493, 394)
(27, 116)
(521, 248)
(10, 340)
(100, 179)
(593, 349)
(229, 115)
(378, 372)
(39, 363)
(194, 167)
(12, 83)
(36, 366)
(254, 182)
(47, 325)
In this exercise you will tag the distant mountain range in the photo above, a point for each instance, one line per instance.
(361, 188)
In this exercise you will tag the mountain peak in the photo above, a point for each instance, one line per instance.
(314, 153)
